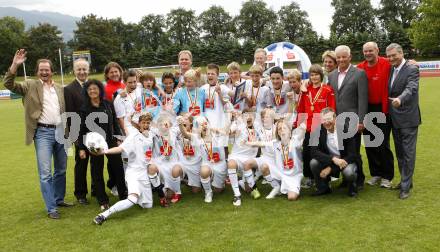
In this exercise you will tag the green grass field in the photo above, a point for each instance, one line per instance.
(374, 221)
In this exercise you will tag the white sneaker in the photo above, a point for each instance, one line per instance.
(374, 180)
(236, 201)
(264, 182)
(275, 192)
(385, 183)
(114, 191)
(208, 197)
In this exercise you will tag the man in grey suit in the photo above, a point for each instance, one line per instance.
(405, 114)
(350, 85)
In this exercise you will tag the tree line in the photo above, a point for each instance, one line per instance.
(217, 36)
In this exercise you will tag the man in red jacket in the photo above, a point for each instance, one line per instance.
(380, 158)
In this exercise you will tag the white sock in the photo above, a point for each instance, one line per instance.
(273, 182)
(232, 173)
(175, 185)
(249, 178)
(206, 183)
(120, 206)
(154, 179)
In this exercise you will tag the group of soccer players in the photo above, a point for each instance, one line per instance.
(180, 132)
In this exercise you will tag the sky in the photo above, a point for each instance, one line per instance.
(320, 11)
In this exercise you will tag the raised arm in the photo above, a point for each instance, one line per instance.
(9, 81)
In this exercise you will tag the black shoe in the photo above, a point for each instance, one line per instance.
(322, 192)
(64, 204)
(53, 215)
(83, 201)
(352, 190)
(404, 195)
(99, 219)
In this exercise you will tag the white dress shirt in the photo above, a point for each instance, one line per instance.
(396, 71)
(51, 106)
(332, 143)
(341, 76)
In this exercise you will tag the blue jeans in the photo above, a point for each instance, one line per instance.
(53, 187)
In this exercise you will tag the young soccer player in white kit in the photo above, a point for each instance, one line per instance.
(137, 146)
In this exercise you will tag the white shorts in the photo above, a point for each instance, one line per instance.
(291, 183)
(240, 160)
(193, 174)
(219, 171)
(165, 172)
(264, 160)
(143, 189)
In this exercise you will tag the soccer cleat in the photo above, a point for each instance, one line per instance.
(114, 191)
(275, 192)
(385, 183)
(163, 202)
(236, 201)
(255, 193)
(99, 219)
(208, 197)
(374, 180)
(176, 198)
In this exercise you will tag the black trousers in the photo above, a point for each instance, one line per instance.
(306, 155)
(380, 158)
(349, 173)
(360, 178)
(359, 170)
(80, 174)
(115, 167)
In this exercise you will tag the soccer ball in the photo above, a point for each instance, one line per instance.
(95, 142)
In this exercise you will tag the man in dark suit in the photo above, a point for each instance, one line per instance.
(350, 85)
(404, 110)
(73, 97)
(333, 155)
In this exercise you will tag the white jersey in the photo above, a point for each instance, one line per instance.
(125, 108)
(214, 151)
(261, 94)
(279, 98)
(167, 148)
(243, 134)
(214, 109)
(190, 153)
(288, 159)
(266, 136)
(138, 148)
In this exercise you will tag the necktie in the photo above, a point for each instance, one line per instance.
(396, 72)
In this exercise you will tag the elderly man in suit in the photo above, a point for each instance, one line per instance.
(351, 92)
(43, 102)
(74, 98)
(404, 110)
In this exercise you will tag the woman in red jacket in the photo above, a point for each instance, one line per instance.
(113, 78)
(317, 97)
